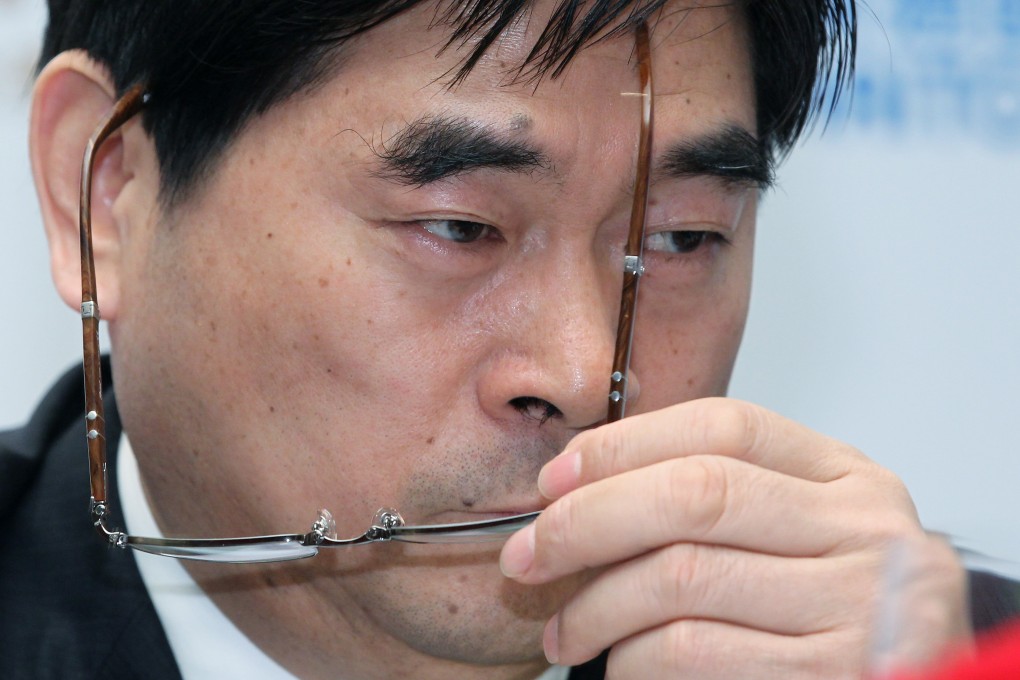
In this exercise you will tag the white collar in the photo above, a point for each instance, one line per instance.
(205, 643)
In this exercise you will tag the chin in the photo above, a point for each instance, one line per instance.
(460, 607)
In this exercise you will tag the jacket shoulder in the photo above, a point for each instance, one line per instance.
(73, 607)
(22, 450)
(994, 600)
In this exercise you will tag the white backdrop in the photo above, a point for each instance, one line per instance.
(885, 309)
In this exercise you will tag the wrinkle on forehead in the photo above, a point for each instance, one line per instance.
(518, 55)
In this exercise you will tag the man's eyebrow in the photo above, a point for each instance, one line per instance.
(433, 148)
(731, 154)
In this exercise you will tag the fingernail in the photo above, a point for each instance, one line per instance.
(561, 475)
(518, 553)
(551, 639)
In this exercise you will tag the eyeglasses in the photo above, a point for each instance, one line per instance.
(387, 525)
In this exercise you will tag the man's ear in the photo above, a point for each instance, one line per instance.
(71, 96)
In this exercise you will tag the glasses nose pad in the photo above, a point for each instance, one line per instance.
(325, 525)
(387, 518)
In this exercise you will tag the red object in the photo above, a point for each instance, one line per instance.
(997, 658)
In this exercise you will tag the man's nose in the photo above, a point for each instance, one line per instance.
(553, 355)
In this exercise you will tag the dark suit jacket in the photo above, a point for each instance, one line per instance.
(72, 607)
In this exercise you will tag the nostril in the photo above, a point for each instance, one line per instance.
(534, 408)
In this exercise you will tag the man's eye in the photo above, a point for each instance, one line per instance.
(680, 241)
(458, 231)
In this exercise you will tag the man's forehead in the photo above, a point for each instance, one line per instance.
(392, 107)
(514, 56)
(389, 110)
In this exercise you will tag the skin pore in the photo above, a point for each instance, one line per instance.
(344, 336)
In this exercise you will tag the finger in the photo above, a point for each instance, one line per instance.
(922, 605)
(723, 427)
(713, 650)
(781, 595)
(705, 499)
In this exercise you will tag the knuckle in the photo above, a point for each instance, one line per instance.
(840, 657)
(871, 529)
(887, 482)
(883, 528)
(737, 427)
(879, 484)
(693, 499)
(901, 527)
(666, 652)
(685, 645)
(675, 579)
(876, 509)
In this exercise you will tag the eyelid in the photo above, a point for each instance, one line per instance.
(699, 209)
(440, 214)
(465, 220)
(722, 230)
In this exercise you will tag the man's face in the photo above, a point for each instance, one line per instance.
(313, 330)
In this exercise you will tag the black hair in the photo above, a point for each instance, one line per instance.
(211, 66)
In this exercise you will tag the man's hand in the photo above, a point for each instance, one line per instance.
(729, 543)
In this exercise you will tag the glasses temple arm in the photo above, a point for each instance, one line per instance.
(95, 422)
(633, 267)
